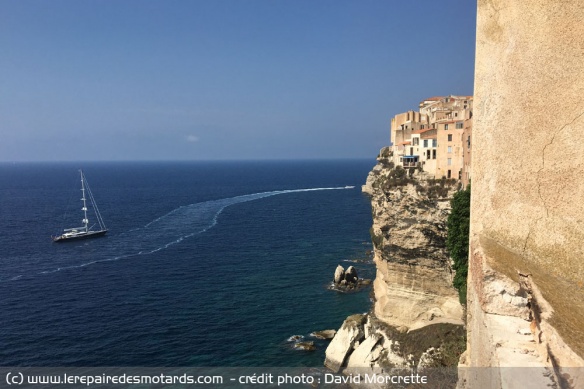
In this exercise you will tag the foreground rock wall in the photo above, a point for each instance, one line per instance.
(526, 265)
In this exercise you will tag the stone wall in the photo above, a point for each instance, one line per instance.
(527, 218)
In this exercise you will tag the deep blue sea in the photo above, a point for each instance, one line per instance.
(204, 264)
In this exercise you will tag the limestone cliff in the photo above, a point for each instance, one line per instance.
(416, 311)
(413, 284)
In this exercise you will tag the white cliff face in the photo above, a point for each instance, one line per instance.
(344, 342)
(359, 344)
(413, 286)
(413, 292)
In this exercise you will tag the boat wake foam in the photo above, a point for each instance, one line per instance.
(179, 224)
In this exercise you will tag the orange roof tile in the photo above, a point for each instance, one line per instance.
(408, 142)
(422, 130)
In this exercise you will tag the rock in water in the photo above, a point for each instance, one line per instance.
(339, 274)
(326, 334)
(351, 275)
(306, 346)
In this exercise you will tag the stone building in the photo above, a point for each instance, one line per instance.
(433, 137)
(402, 126)
(449, 162)
(426, 143)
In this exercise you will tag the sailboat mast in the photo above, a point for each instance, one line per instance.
(84, 209)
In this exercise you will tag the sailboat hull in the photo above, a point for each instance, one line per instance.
(79, 236)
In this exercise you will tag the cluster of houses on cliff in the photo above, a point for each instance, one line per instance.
(436, 138)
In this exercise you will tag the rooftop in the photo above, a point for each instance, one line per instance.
(422, 131)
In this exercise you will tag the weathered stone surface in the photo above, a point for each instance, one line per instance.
(339, 274)
(367, 353)
(325, 334)
(306, 346)
(344, 342)
(351, 275)
(527, 225)
(413, 284)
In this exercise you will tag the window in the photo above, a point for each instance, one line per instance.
(468, 142)
(426, 142)
(455, 114)
(449, 173)
(416, 141)
(449, 137)
(450, 149)
(434, 143)
(459, 125)
(446, 126)
(434, 154)
(449, 161)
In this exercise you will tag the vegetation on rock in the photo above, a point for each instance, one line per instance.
(457, 240)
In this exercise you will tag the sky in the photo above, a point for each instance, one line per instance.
(117, 80)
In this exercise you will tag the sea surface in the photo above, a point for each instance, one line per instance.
(204, 264)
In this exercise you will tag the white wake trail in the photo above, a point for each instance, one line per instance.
(172, 228)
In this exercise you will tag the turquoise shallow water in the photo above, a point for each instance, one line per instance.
(205, 264)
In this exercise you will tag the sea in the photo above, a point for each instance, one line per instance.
(204, 263)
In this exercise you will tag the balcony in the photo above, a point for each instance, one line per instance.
(410, 160)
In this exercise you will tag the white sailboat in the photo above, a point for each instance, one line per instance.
(85, 231)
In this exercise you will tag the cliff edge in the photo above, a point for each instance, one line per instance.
(417, 319)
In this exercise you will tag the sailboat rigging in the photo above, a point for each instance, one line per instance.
(85, 231)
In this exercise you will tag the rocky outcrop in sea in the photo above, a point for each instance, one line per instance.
(416, 319)
(346, 280)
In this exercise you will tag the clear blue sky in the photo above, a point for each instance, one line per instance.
(222, 79)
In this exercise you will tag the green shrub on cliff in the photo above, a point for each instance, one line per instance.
(457, 241)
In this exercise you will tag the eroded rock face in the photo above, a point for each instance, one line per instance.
(348, 280)
(325, 334)
(416, 309)
(366, 345)
(339, 274)
(413, 284)
(351, 275)
(344, 342)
